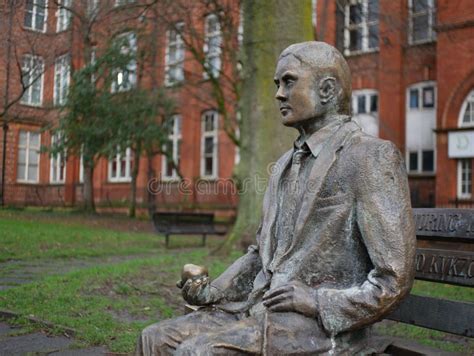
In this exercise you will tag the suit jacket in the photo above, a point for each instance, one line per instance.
(354, 238)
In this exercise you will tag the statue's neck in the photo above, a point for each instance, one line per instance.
(309, 127)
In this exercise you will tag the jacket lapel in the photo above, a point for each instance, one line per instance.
(317, 176)
(270, 209)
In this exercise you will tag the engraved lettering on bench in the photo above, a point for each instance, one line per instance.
(445, 265)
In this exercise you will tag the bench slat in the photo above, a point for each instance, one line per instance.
(441, 224)
(438, 314)
(445, 266)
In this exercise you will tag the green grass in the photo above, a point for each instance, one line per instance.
(109, 305)
(29, 239)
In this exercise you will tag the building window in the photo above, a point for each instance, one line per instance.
(57, 165)
(123, 2)
(81, 168)
(35, 15)
(420, 126)
(464, 178)
(126, 78)
(467, 111)
(28, 157)
(212, 46)
(120, 167)
(365, 109)
(32, 79)
(63, 15)
(92, 8)
(209, 145)
(175, 55)
(421, 21)
(361, 26)
(173, 148)
(62, 70)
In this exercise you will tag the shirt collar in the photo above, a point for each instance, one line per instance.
(317, 140)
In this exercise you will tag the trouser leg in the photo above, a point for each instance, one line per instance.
(164, 337)
(243, 337)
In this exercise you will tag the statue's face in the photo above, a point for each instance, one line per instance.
(297, 95)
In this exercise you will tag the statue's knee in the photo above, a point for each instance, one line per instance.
(198, 345)
(154, 335)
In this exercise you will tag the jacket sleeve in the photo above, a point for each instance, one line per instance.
(384, 217)
(236, 282)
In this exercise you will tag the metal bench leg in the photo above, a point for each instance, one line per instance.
(167, 237)
(204, 239)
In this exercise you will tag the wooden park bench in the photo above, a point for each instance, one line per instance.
(177, 223)
(445, 254)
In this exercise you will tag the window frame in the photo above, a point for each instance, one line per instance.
(469, 99)
(420, 89)
(364, 25)
(215, 152)
(128, 167)
(28, 148)
(63, 16)
(33, 17)
(57, 165)
(119, 3)
(208, 55)
(62, 66)
(39, 79)
(431, 12)
(175, 138)
(179, 46)
(132, 66)
(460, 182)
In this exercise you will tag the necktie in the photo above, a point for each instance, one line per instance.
(291, 197)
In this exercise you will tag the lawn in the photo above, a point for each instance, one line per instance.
(108, 304)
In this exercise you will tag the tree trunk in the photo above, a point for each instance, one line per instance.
(89, 205)
(150, 195)
(133, 185)
(269, 27)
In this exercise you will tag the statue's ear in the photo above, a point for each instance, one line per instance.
(327, 89)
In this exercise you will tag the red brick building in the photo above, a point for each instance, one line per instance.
(412, 65)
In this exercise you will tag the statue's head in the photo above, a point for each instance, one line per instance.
(313, 81)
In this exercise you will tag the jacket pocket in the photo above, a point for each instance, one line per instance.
(333, 200)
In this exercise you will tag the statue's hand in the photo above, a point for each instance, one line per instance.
(293, 297)
(197, 291)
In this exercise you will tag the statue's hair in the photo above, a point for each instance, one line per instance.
(325, 60)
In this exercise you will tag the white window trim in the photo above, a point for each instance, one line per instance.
(419, 86)
(469, 98)
(207, 35)
(420, 171)
(431, 18)
(81, 168)
(215, 153)
(63, 16)
(33, 20)
(367, 93)
(128, 167)
(55, 165)
(31, 59)
(365, 29)
(27, 158)
(123, 2)
(460, 194)
(174, 138)
(62, 63)
(179, 45)
(116, 87)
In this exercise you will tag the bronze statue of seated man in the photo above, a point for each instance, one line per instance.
(335, 250)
